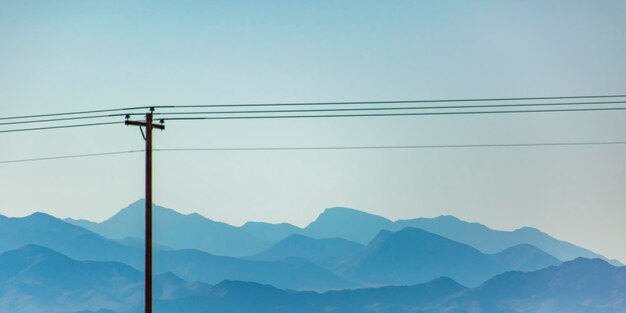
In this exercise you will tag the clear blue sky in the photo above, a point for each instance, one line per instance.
(81, 55)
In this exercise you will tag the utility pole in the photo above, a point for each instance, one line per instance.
(148, 237)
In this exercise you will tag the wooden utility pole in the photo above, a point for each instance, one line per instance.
(148, 237)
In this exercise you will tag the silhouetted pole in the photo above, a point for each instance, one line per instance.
(148, 257)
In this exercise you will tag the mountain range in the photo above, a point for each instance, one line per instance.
(255, 237)
(36, 279)
(413, 255)
(81, 244)
(52, 265)
(296, 262)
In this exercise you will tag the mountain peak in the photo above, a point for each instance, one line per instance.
(41, 216)
(31, 249)
(525, 257)
(340, 209)
(528, 230)
(347, 223)
(27, 256)
(413, 255)
(581, 262)
(448, 217)
(345, 211)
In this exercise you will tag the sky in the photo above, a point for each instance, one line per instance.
(59, 56)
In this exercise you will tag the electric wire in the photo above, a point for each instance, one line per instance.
(301, 113)
(58, 127)
(167, 118)
(79, 112)
(72, 156)
(392, 101)
(387, 108)
(62, 119)
(375, 147)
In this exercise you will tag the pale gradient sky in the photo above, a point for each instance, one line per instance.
(79, 55)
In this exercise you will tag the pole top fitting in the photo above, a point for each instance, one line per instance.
(151, 109)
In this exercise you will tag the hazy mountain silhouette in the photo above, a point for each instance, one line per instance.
(81, 244)
(492, 241)
(179, 231)
(324, 252)
(347, 223)
(73, 241)
(168, 286)
(384, 299)
(524, 258)
(413, 256)
(581, 285)
(298, 274)
(270, 232)
(238, 297)
(245, 297)
(196, 232)
(37, 279)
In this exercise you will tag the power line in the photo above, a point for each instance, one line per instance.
(388, 114)
(57, 127)
(72, 156)
(77, 112)
(295, 113)
(392, 147)
(391, 101)
(397, 147)
(319, 110)
(62, 119)
(388, 108)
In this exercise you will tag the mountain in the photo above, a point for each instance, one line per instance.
(238, 297)
(581, 285)
(347, 223)
(297, 274)
(37, 279)
(244, 297)
(167, 286)
(360, 227)
(524, 258)
(270, 232)
(81, 244)
(413, 256)
(179, 231)
(324, 252)
(491, 241)
(384, 299)
(71, 240)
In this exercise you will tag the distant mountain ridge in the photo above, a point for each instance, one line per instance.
(327, 252)
(34, 279)
(581, 285)
(295, 274)
(71, 240)
(179, 231)
(338, 222)
(412, 256)
(296, 262)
